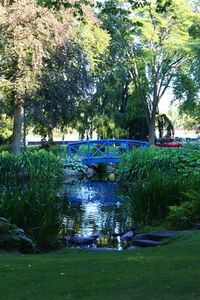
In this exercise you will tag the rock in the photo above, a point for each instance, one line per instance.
(133, 248)
(78, 240)
(147, 243)
(81, 240)
(155, 236)
(3, 220)
(115, 234)
(91, 172)
(18, 230)
(127, 236)
(196, 225)
(96, 235)
(105, 249)
(69, 172)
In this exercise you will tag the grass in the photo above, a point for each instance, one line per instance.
(163, 273)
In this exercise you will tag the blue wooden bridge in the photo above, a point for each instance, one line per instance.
(103, 151)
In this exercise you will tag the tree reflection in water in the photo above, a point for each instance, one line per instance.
(95, 207)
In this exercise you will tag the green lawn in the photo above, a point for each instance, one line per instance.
(168, 272)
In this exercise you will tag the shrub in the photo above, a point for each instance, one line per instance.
(35, 207)
(74, 163)
(181, 216)
(5, 147)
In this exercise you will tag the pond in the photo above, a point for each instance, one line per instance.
(94, 206)
(87, 207)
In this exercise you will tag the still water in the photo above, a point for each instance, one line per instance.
(94, 206)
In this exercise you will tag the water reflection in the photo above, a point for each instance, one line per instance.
(94, 207)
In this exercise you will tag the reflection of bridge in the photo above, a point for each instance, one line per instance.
(102, 151)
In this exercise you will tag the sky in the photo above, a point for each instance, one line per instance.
(165, 101)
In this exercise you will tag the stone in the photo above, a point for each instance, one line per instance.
(96, 235)
(18, 230)
(91, 172)
(3, 220)
(128, 236)
(105, 249)
(79, 240)
(147, 243)
(133, 248)
(69, 172)
(155, 236)
(196, 225)
(115, 234)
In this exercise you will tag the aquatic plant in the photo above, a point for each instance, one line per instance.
(147, 201)
(29, 164)
(34, 206)
(141, 162)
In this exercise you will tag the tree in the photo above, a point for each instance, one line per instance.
(32, 36)
(64, 83)
(187, 82)
(158, 45)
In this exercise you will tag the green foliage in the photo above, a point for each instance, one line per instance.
(74, 163)
(13, 238)
(181, 216)
(145, 43)
(164, 123)
(155, 179)
(29, 164)
(6, 125)
(35, 207)
(147, 200)
(141, 162)
(76, 7)
(187, 161)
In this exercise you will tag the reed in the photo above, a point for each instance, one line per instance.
(147, 201)
(29, 164)
(34, 206)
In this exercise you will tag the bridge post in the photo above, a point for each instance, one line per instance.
(88, 151)
(69, 150)
(107, 150)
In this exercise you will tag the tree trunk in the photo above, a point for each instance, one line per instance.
(152, 131)
(17, 129)
(50, 134)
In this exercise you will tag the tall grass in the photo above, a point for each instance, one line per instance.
(155, 179)
(141, 162)
(34, 206)
(147, 201)
(32, 164)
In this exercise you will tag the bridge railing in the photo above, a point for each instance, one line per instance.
(105, 150)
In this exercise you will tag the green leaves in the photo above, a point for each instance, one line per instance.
(74, 164)
(159, 180)
(29, 164)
